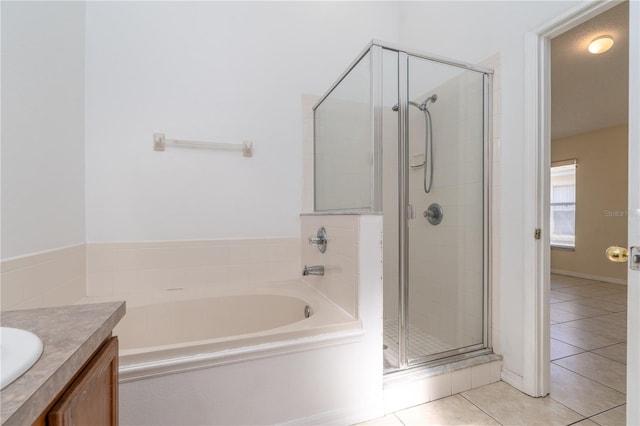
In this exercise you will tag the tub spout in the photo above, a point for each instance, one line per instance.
(313, 270)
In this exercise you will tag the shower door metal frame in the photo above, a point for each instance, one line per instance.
(403, 206)
(404, 213)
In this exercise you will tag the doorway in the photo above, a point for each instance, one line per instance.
(538, 99)
(588, 202)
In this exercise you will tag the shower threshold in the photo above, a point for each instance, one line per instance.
(427, 382)
(422, 345)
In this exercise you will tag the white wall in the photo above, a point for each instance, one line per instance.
(222, 71)
(42, 126)
(480, 30)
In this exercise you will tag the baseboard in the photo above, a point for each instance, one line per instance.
(515, 380)
(590, 277)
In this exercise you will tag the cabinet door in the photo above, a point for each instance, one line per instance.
(92, 399)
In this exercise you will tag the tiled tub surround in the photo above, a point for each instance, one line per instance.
(139, 267)
(262, 377)
(51, 278)
(342, 268)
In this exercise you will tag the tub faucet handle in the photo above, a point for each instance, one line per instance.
(320, 239)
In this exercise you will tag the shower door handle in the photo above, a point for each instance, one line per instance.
(411, 212)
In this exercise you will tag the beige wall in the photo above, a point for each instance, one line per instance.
(601, 202)
(51, 278)
(122, 269)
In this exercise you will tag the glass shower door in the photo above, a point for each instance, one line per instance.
(446, 193)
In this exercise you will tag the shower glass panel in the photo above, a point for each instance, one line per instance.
(343, 135)
(446, 177)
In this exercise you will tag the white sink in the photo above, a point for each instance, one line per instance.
(19, 350)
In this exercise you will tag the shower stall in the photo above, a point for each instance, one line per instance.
(407, 136)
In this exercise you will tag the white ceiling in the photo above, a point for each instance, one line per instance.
(588, 91)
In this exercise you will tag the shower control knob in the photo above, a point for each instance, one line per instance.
(434, 214)
(320, 240)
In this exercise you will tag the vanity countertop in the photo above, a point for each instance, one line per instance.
(71, 334)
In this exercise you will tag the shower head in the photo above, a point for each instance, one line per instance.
(433, 98)
(395, 107)
(422, 106)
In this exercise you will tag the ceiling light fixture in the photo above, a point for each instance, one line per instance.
(600, 44)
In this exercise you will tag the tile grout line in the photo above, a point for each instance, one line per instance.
(590, 379)
(615, 344)
(568, 356)
(599, 321)
(588, 316)
(593, 351)
(570, 409)
(610, 409)
(398, 418)
(475, 405)
(591, 316)
(582, 420)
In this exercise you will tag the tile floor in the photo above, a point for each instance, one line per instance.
(588, 369)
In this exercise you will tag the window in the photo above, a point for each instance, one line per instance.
(563, 204)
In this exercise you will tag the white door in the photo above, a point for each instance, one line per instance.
(633, 317)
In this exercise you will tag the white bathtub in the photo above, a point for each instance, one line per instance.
(186, 329)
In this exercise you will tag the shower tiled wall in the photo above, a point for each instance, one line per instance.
(52, 278)
(122, 268)
(445, 260)
(345, 161)
(343, 155)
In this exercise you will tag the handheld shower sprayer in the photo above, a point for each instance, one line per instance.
(428, 140)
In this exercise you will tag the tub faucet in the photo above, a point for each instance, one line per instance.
(313, 270)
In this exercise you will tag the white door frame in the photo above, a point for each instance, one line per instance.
(633, 277)
(537, 146)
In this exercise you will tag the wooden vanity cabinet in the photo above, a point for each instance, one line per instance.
(92, 397)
